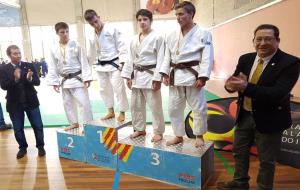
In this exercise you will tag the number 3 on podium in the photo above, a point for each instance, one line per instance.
(155, 159)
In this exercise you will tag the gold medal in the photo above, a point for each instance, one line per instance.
(98, 45)
(138, 47)
(63, 52)
(178, 45)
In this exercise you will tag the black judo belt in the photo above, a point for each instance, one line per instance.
(142, 68)
(185, 65)
(110, 62)
(70, 76)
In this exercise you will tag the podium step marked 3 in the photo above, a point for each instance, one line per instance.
(180, 164)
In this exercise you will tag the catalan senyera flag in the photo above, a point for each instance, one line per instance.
(110, 142)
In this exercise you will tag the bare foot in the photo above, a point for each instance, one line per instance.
(175, 140)
(157, 138)
(121, 117)
(73, 126)
(82, 131)
(199, 142)
(137, 134)
(109, 115)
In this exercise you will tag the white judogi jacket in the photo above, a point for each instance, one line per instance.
(195, 45)
(148, 52)
(107, 46)
(75, 60)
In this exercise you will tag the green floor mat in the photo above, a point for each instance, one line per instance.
(98, 108)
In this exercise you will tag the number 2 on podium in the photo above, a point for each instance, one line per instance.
(71, 142)
(101, 136)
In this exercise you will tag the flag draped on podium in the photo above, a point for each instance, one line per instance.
(110, 142)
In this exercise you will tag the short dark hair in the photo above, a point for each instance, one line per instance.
(89, 14)
(9, 48)
(61, 25)
(144, 12)
(187, 6)
(268, 26)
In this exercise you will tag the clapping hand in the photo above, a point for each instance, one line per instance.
(17, 74)
(29, 75)
(236, 83)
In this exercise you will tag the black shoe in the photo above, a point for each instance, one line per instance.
(233, 185)
(5, 127)
(42, 152)
(21, 153)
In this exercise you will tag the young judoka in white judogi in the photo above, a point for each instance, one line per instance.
(69, 69)
(143, 78)
(186, 68)
(109, 52)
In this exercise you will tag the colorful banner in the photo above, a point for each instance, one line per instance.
(221, 120)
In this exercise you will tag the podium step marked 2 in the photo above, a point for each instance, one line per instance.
(181, 164)
(71, 144)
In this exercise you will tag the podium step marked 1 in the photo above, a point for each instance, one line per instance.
(181, 164)
(102, 142)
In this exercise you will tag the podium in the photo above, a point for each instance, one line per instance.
(100, 145)
(180, 164)
(71, 144)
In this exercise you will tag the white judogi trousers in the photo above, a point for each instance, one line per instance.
(139, 98)
(73, 97)
(195, 98)
(112, 84)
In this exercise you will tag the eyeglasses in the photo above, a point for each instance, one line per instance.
(266, 40)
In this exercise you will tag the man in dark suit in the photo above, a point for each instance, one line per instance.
(264, 80)
(18, 79)
(3, 125)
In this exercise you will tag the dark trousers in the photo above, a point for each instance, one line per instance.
(34, 117)
(268, 146)
(2, 122)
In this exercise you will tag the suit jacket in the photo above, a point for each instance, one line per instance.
(271, 95)
(7, 82)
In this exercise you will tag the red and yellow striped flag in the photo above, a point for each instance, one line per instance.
(110, 142)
